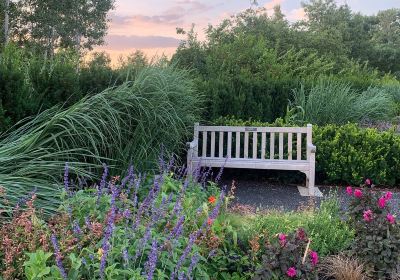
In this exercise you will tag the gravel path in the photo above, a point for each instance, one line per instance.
(265, 196)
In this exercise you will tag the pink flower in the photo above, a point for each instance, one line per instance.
(368, 182)
(390, 218)
(382, 202)
(282, 239)
(314, 257)
(291, 272)
(388, 195)
(349, 190)
(358, 193)
(367, 215)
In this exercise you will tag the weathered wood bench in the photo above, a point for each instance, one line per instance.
(246, 147)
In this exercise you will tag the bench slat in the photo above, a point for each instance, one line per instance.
(221, 145)
(254, 164)
(255, 145)
(246, 144)
(290, 146)
(280, 145)
(263, 145)
(229, 152)
(298, 146)
(237, 152)
(253, 129)
(212, 143)
(272, 146)
(204, 144)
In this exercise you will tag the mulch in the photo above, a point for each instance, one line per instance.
(264, 195)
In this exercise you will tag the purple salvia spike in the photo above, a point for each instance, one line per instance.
(109, 230)
(221, 171)
(102, 183)
(66, 176)
(58, 256)
(193, 263)
(152, 261)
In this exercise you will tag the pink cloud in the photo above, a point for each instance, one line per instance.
(270, 5)
(296, 14)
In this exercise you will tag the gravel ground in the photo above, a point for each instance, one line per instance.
(267, 196)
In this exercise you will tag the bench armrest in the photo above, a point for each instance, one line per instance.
(191, 145)
(312, 148)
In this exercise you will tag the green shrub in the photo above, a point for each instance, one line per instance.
(350, 154)
(347, 153)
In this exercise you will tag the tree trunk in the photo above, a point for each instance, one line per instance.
(6, 20)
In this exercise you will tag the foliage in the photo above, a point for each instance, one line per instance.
(249, 63)
(347, 153)
(289, 256)
(332, 102)
(131, 227)
(350, 154)
(46, 26)
(125, 124)
(377, 233)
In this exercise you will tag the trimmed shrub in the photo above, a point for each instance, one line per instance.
(348, 153)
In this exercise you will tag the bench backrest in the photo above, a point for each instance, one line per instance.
(270, 143)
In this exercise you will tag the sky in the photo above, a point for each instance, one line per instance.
(150, 25)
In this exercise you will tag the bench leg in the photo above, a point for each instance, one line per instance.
(310, 182)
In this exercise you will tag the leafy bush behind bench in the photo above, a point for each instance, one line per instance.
(348, 153)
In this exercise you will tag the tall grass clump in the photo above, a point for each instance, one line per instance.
(121, 125)
(335, 102)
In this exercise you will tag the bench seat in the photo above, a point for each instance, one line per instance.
(277, 148)
(300, 165)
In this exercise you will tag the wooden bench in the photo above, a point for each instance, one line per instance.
(280, 148)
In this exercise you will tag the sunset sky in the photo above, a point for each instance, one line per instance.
(151, 25)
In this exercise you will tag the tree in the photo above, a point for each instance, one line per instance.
(52, 24)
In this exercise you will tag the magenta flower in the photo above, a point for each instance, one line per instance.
(368, 182)
(388, 195)
(291, 272)
(282, 239)
(358, 193)
(390, 218)
(314, 257)
(349, 190)
(382, 202)
(367, 215)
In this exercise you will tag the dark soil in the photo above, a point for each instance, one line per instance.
(262, 191)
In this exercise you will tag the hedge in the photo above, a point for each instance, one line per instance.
(348, 153)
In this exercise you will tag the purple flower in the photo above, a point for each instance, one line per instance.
(58, 256)
(102, 183)
(221, 171)
(88, 223)
(66, 184)
(193, 263)
(143, 242)
(76, 228)
(129, 178)
(152, 261)
(109, 230)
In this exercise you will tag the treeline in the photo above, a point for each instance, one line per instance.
(249, 64)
